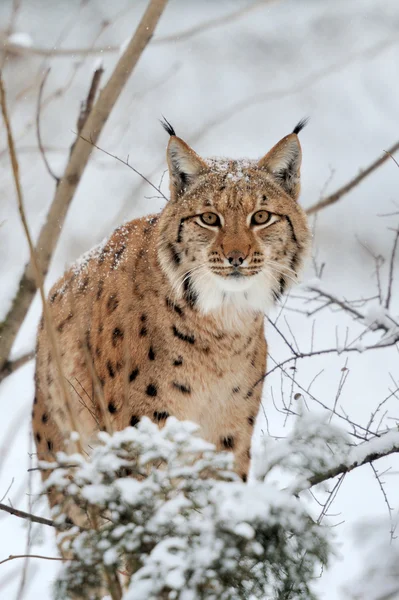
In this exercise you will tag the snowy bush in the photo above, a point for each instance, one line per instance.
(312, 447)
(177, 521)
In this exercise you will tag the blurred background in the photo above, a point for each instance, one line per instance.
(232, 77)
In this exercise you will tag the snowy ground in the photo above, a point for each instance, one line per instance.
(231, 90)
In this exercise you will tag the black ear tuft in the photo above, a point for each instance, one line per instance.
(302, 123)
(167, 126)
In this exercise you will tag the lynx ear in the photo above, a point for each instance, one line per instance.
(283, 162)
(184, 164)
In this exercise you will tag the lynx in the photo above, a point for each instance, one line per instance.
(167, 316)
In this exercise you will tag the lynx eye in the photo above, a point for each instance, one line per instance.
(210, 218)
(261, 217)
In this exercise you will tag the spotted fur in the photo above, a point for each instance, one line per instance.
(167, 317)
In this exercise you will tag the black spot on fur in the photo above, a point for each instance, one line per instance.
(249, 453)
(50, 445)
(189, 293)
(251, 421)
(38, 437)
(190, 339)
(244, 477)
(134, 420)
(151, 353)
(102, 382)
(302, 123)
(151, 390)
(53, 297)
(44, 418)
(133, 374)
(178, 361)
(174, 254)
(117, 256)
(161, 416)
(168, 127)
(228, 442)
(184, 389)
(117, 336)
(143, 318)
(102, 256)
(235, 390)
(249, 394)
(83, 284)
(112, 408)
(110, 369)
(174, 306)
(143, 331)
(100, 289)
(294, 238)
(61, 325)
(35, 400)
(112, 303)
(179, 231)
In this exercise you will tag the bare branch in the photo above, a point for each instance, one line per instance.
(87, 106)
(126, 162)
(73, 173)
(33, 518)
(391, 266)
(12, 365)
(14, 556)
(348, 187)
(38, 132)
(182, 36)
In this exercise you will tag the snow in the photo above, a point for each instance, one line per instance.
(21, 39)
(232, 91)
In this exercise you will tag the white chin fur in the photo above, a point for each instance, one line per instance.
(250, 294)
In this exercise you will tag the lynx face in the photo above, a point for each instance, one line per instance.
(232, 235)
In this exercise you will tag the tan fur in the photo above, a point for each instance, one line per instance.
(166, 327)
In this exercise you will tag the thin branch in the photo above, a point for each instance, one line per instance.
(348, 187)
(391, 267)
(12, 365)
(33, 518)
(87, 105)
(126, 162)
(182, 36)
(14, 556)
(79, 158)
(38, 132)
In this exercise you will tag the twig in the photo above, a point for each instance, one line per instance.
(181, 36)
(14, 556)
(33, 518)
(87, 105)
(77, 163)
(38, 132)
(12, 365)
(384, 494)
(353, 183)
(391, 267)
(126, 162)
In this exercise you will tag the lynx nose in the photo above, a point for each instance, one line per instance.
(236, 258)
